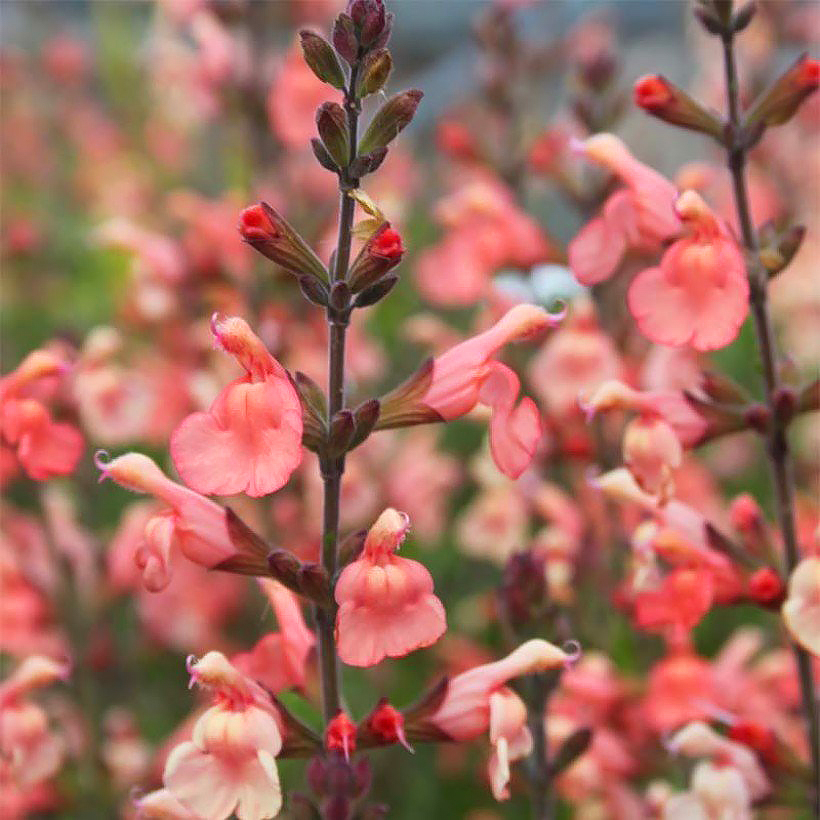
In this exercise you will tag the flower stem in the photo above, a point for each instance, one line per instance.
(333, 469)
(541, 801)
(777, 445)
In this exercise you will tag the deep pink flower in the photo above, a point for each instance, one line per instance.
(251, 439)
(640, 215)
(386, 604)
(698, 295)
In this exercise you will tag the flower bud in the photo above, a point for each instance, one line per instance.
(656, 95)
(781, 100)
(367, 163)
(766, 589)
(365, 417)
(372, 23)
(268, 232)
(390, 119)
(380, 254)
(340, 735)
(714, 15)
(387, 724)
(345, 40)
(375, 70)
(375, 293)
(342, 428)
(331, 122)
(322, 59)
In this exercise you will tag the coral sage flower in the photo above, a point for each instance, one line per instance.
(251, 439)
(386, 603)
(479, 700)
(698, 295)
(228, 767)
(467, 375)
(640, 215)
(194, 524)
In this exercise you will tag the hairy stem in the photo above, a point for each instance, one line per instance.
(333, 469)
(777, 442)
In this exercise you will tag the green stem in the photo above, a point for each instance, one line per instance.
(779, 456)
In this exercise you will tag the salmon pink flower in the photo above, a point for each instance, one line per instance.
(467, 375)
(194, 524)
(29, 750)
(251, 439)
(801, 611)
(640, 215)
(464, 714)
(669, 405)
(698, 739)
(698, 295)
(228, 767)
(44, 447)
(386, 604)
(652, 452)
(479, 700)
(279, 659)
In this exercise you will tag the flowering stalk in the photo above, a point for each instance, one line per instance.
(778, 448)
(333, 467)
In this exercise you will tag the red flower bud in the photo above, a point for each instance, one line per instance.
(268, 232)
(766, 589)
(380, 254)
(256, 226)
(387, 723)
(340, 735)
(387, 245)
(666, 101)
(758, 738)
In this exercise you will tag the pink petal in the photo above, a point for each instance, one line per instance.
(596, 251)
(250, 441)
